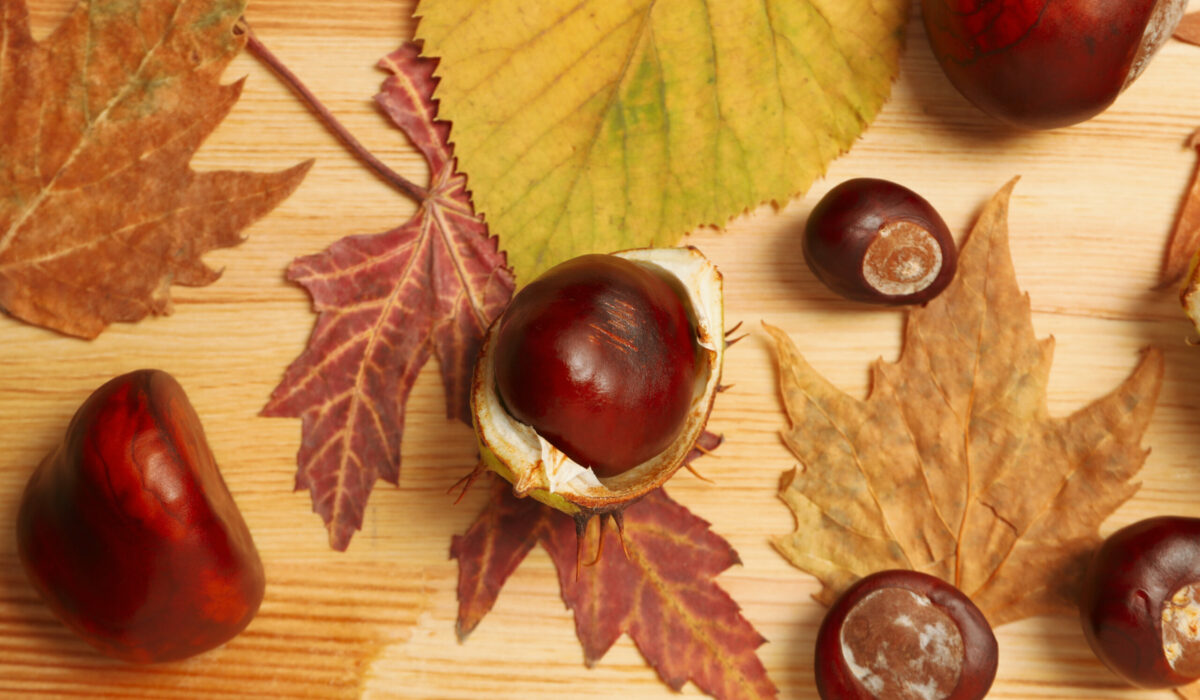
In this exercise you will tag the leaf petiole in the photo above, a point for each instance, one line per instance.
(261, 52)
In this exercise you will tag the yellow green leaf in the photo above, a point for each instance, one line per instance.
(595, 125)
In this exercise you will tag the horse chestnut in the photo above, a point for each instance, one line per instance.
(128, 531)
(1040, 64)
(904, 635)
(598, 355)
(876, 241)
(1140, 602)
(595, 383)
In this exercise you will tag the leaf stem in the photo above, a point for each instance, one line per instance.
(261, 52)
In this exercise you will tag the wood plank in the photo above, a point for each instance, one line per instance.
(1089, 223)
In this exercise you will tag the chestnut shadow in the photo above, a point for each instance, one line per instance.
(959, 122)
(801, 289)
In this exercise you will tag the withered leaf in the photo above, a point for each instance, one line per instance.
(99, 211)
(953, 465)
(386, 303)
(659, 588)
(1189, 28)
(1185, 237)
(492, 549)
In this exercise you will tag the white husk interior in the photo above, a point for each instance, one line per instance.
(1163, 21)
(516, 443)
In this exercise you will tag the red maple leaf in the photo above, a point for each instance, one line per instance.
(658, 587)
(386, 303)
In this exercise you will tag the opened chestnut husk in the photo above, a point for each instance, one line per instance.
(602, 319)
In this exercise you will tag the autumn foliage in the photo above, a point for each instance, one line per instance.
(654, 580)
(100, 212)
(953, 465)
(387, 303)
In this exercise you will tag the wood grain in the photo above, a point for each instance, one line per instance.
(1089, 222)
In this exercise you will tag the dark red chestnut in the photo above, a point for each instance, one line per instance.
(1140, 602)
(879, 242)
(1040, 64)
(904, 635)
(128, 531)
(600, 357)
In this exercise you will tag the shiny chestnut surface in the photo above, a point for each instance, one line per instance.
(1040, 64)
(1129, 588)
(599, 356)
(128, 531)
(875, 241)
(903, 652)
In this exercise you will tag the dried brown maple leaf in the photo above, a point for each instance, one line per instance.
(1185, 237)
(99, 212)
(1184, 242)
(1189, 28)
(952, 465)
(659, 588)
(386, 303)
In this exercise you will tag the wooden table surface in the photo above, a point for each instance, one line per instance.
(1089, 220)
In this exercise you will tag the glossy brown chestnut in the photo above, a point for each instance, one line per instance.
(1140, 602)
(896, 631)
(1040, 64)
(128, 531)
(599, 356)
(876, 241)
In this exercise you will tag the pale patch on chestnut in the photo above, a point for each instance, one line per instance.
(903, 259)
(1181, 631)
(899, 646)
(1166, 17)
(904, 635)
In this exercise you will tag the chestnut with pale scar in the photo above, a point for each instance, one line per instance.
(1040, 64)
(1139, 605)
(878, 242)
(904, 635)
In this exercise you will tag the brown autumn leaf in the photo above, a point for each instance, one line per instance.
(659, 589)
(99, 211)
(1189, 28)
(1185, 237)
(388, 302)
(1184, 242)
(952, 465)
